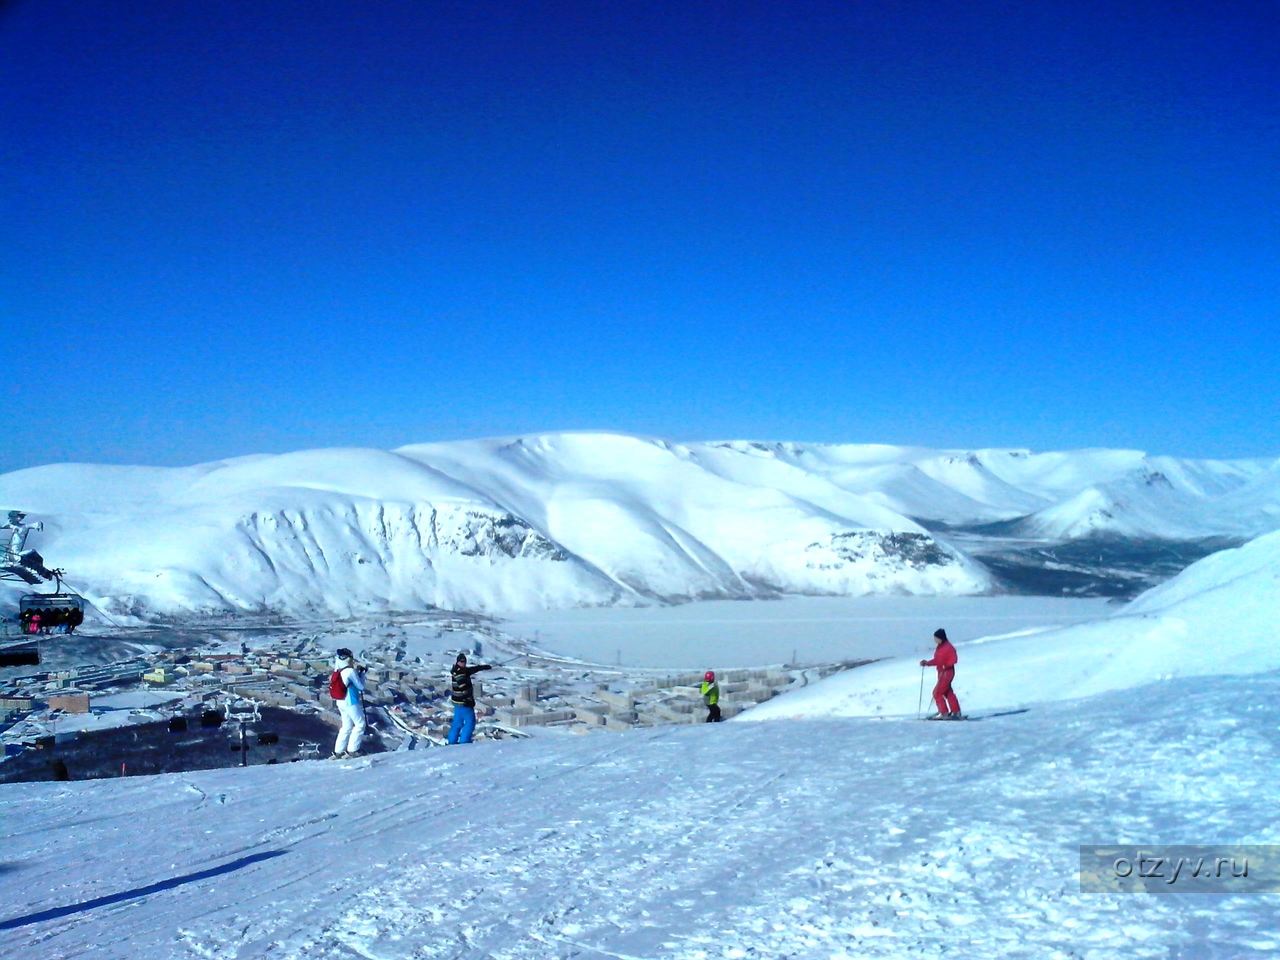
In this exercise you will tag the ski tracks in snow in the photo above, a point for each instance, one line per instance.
(400, 905)
(800, 840)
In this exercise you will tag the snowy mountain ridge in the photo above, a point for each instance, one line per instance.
(591, 518)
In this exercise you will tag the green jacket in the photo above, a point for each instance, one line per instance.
(711, 693)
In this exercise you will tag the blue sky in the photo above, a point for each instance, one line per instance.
(255, 226)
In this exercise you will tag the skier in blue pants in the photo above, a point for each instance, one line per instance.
(464, 700)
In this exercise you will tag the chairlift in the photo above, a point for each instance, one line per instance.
(39, 614)
(57, 612)
(244, 712)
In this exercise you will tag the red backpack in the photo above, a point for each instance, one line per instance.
(337, 689)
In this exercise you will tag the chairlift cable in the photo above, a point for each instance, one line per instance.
(102, 613)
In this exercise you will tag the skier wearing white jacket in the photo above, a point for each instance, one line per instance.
(346, 686)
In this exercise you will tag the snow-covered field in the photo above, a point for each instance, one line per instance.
(855, 838)
(727, 633)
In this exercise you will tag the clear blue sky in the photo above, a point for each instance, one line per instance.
(260, 226)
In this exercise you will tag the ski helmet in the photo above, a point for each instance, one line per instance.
(709, 676)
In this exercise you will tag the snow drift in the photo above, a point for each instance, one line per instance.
(1216, 617)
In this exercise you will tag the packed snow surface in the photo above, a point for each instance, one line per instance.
(857, 838)
(1217, 616)
(565, 520)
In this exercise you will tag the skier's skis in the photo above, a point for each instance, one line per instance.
(985, 716)
(1002, 713)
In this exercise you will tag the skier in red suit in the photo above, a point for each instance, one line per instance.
(944, 658)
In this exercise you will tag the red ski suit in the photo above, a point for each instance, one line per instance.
(944, 658)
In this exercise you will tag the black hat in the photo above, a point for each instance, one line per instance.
(462, 655)
(940, 634)
(344, 652)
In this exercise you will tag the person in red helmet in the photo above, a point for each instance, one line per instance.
(711, 696)
(944, 659)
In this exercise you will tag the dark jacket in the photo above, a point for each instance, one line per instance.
(463, 694)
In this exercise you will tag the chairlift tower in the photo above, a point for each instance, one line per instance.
(17, 563)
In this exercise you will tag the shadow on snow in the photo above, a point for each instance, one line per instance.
(56, 912)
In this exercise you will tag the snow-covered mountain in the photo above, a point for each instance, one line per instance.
(1216, 617)
(1056, 496)
(486, 525)
(573, 519)
(1168, 499)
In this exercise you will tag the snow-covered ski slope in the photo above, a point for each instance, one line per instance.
(563, 520)
(840, 838)
(1218, 616)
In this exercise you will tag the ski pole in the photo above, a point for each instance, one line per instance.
(920, 699)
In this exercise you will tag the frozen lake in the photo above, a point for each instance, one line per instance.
(731, 633)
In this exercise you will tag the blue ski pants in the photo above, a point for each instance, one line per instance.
(464, 723)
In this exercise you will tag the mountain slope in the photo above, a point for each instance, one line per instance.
(486, 525)
(1217, 617)
(1164, 498)
(582, 519)
(855, 838)
(1055, 495)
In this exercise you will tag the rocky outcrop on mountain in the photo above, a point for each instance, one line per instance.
(473, 533)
